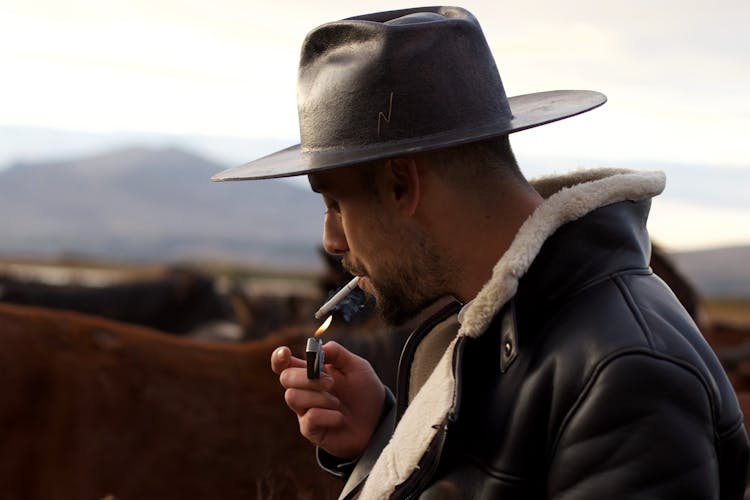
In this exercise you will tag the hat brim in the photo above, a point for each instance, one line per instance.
(529, 110)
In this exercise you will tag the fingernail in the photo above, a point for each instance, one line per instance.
(278, 352)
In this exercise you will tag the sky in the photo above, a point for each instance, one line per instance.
(676, 73)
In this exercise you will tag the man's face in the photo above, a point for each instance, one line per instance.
(393, 256)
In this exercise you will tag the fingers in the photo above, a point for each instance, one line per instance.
(303, 401)
(336, 356)
(341, 362)
(339, 410)
(282, 358)
(317, 423)
(339, 357)
(296, 378)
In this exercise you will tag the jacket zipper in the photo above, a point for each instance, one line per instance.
(416, 483)
(428, 465)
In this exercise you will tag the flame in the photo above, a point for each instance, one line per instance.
(322, 328)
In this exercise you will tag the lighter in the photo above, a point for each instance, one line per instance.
(315, 357)
(314, 354)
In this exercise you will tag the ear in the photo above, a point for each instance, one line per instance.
(403, 184)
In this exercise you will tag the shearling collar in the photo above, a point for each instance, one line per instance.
(567, 198)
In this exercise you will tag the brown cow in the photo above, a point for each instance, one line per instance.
(93, 409)
(98, 409)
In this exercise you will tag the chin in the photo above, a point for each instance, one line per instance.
(394, 314)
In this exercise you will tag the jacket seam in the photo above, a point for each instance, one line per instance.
(634, 310)
(497, 474)
(614, 275)
(614, 357)
(599, 280)
(731, 430)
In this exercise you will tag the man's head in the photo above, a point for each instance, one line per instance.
(403, 123)
(394, 221)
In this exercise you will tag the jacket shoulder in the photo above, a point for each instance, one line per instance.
(636, 312)
(627, 433)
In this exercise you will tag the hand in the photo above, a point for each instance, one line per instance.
(338, 412)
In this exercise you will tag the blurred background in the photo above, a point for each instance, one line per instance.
(115, 114)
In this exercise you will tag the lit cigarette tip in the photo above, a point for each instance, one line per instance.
(333, 302)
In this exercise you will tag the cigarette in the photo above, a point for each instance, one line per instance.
(315, 357)
(333, 302)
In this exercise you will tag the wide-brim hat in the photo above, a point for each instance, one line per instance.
(402, 82)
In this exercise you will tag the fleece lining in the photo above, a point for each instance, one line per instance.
(567, 198)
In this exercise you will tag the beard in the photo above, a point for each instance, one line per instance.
(405, 285)
(395, 301)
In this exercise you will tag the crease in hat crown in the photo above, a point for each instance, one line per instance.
(402, 82)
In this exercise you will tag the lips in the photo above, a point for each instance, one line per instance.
(364, 282)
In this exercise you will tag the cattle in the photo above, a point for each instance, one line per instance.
(92, 408)
(261, 314)
(734, 354)
(99, 409)
(178, 301)
(727, 334)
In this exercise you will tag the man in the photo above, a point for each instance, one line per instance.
(551, 362)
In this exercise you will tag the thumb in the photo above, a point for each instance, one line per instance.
(282, 358)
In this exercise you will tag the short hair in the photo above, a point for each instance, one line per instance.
(476, 161)
(469, 165)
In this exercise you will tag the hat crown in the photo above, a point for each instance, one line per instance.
(397, 76)
(401, 82)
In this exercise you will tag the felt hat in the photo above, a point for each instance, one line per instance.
(401, 82)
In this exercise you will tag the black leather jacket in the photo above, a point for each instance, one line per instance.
(591, 383)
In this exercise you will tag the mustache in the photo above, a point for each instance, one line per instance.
(352, 268)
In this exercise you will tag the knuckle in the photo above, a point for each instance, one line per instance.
(291, 398)
(308, 428)
(284, 378)
(288, 378)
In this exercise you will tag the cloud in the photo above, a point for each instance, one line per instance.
(676, 72)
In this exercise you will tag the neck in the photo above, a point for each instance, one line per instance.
(474, 230)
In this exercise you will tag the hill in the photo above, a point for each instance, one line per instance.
(721, 272)
(155, 205)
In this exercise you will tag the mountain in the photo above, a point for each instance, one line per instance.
(721, 272)
(157, 204)
(144, 204)
(35, 144)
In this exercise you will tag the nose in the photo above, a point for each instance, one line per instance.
(334, 239)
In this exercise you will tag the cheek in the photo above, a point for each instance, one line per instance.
(370, 241)
(370, 234)
(359, 232)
